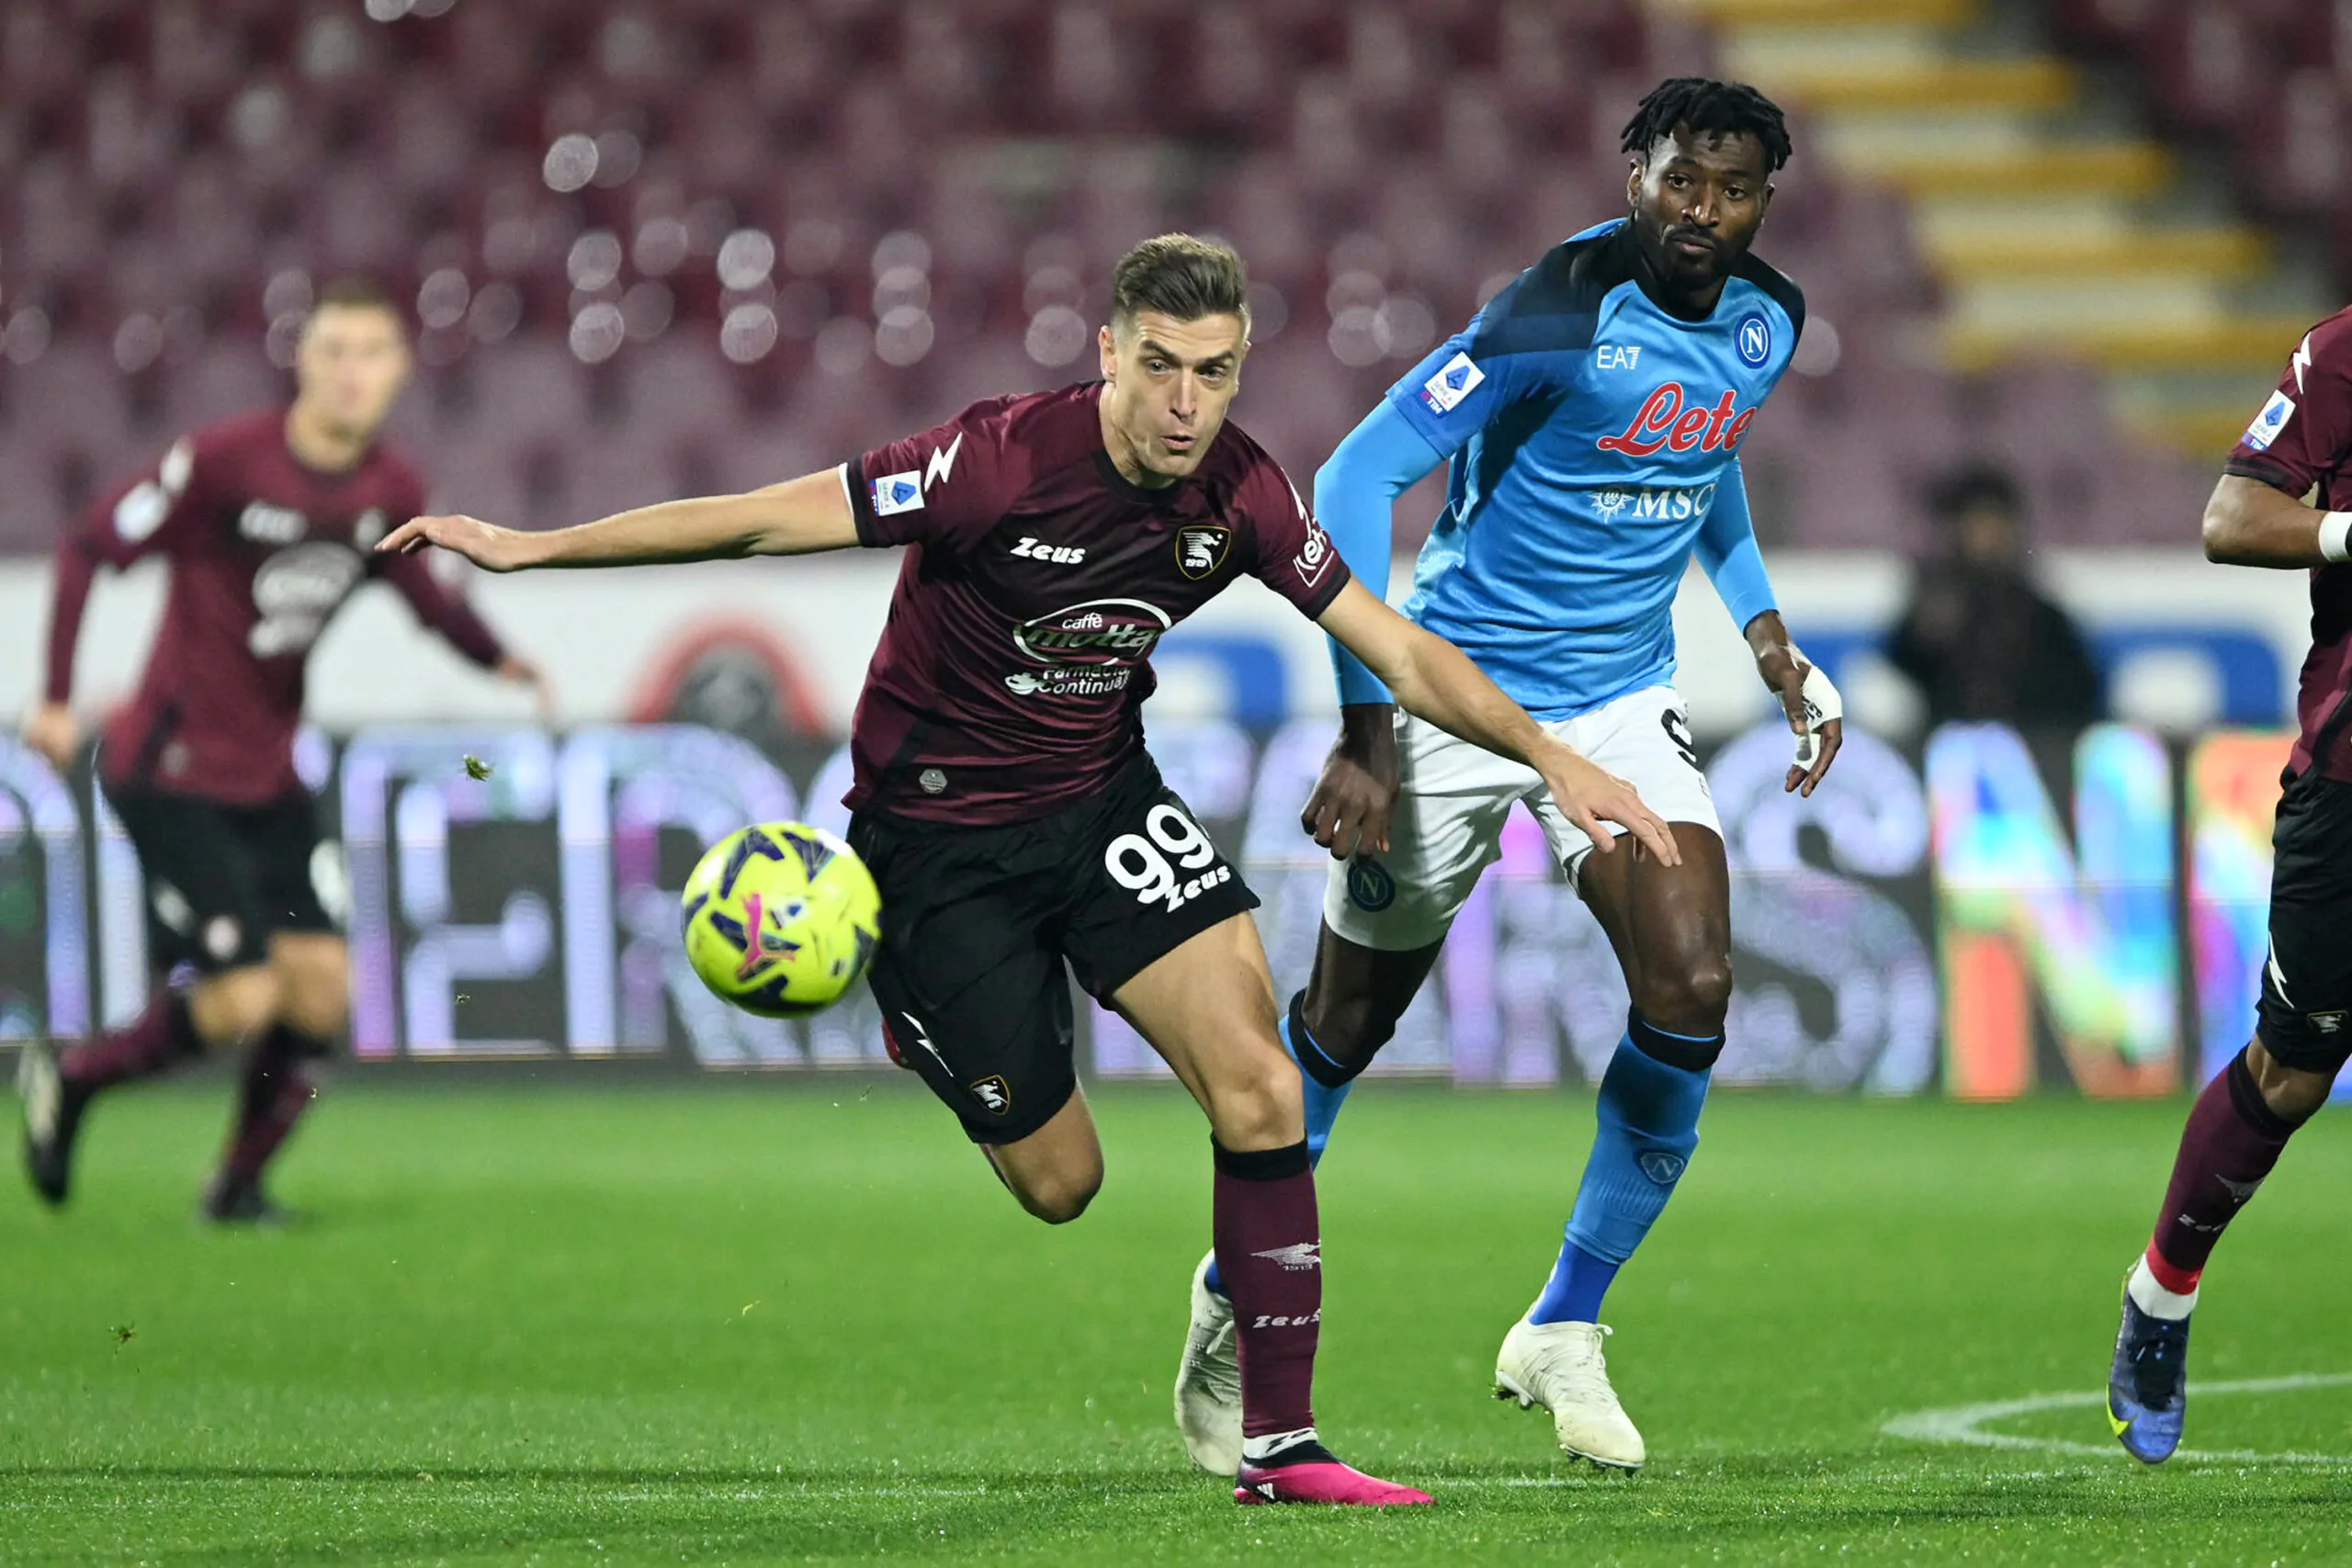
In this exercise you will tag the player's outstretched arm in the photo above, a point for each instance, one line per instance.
(1437, 681)
(1355, 496)
(2248, 523)
(797, 517)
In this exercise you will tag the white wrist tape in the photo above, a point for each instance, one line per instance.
(2335, 535)
(1822, 704)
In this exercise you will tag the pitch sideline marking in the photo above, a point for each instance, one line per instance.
(1964, 1424)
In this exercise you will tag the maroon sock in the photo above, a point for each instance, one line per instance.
(273, 1091)
(2232, 1141)
(1268, 1246)
(160, 1036)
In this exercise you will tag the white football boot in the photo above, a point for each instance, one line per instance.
(1559, 1367)
(1208, 1381)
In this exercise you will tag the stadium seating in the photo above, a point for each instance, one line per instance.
(657, 247)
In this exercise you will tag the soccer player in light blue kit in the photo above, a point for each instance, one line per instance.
(1591, 415)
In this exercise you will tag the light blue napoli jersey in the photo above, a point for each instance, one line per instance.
(1588, 432)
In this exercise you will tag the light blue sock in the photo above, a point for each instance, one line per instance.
(1323, 1102)
(1649, 1125)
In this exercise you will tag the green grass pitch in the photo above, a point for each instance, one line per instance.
(749, 1323)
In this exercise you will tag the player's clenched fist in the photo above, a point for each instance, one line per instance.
(485, 544)
(1590, 795)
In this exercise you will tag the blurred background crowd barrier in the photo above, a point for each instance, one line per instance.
(1983, 913)
(660, 248)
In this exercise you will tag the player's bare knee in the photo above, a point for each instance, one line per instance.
(1689, 999)
(317, 999)
(1058, 1197)
(1259, 1104)
(237, 1005)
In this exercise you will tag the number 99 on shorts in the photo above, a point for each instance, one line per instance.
(1170, 863)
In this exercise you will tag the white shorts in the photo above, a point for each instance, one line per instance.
(1447, 828)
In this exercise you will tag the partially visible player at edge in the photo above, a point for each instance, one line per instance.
(268, 523)
(2285, 501)
(1591, 414)
(1009, 812)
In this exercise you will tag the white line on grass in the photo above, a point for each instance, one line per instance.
(1965, 1423)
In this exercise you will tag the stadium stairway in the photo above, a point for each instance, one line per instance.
(2053, 224)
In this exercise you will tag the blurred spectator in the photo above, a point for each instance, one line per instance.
(1980, 637)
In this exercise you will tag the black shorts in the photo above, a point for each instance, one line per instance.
(979, 924)
(222, 878)
(2307, 981)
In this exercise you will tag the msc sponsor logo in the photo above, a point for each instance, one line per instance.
(1666, 423)
(1666, 504)
(1099, 631)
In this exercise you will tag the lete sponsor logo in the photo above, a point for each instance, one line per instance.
(1666, 423)
(1099, 631)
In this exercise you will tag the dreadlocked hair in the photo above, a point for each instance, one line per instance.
(1710, 108)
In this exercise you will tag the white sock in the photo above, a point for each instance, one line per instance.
(1257, 1451)
(2152, 1298)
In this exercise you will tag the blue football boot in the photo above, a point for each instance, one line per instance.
(2147, 1388)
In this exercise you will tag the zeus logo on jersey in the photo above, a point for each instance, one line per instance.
(1665, 423)
(1060, 555)
(1455, 379)
(2270, 421)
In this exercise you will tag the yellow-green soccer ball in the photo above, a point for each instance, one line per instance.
(781, 918)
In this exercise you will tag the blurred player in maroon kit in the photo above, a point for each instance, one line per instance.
(268, 523)
(1009, 813)
(2285, 502)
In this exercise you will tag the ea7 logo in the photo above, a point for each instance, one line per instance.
(1617, 357)
(1060, 555)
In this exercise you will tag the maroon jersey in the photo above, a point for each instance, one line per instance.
(1011, 677)
(2301, 443)
(262, 553)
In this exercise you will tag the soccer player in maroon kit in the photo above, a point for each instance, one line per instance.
(268, 523)
(2285, 502)
(1009, 813)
